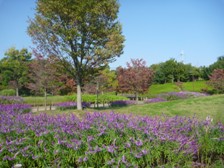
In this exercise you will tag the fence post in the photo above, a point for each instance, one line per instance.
(50, 105)
(37, 108)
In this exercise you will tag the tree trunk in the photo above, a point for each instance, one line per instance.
(17, 91)
(45, 99)
(136, 97)
(97, 94)
(79, 95)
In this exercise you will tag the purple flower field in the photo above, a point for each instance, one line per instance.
(107, 140)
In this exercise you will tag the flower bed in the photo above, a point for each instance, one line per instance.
(155, 100)
(11, 100)
(107, 140)
(70, 105)
(120, 103)
(180, 95)
(15, 108)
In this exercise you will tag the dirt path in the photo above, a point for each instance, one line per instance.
(42, 108)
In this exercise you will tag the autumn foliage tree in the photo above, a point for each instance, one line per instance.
(216, 80)
(43, 76)
(136, 78)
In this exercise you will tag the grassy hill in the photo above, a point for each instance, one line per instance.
(196, 86)
(201, 107)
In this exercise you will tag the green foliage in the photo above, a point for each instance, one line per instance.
(35, 100)
(211, 147)
(8, 92)
(14, 68)
(173, 71)
(207, 71)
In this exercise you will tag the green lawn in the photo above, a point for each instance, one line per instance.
(200, 107)
(196, 86)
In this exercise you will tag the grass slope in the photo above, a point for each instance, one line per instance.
(200, 107)
(195, 86)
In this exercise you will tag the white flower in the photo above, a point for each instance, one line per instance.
(208, 118)
(18, 166)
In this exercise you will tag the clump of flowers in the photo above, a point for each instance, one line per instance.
(70, 105)
(11, 100)
(120, 103)
(180, 95)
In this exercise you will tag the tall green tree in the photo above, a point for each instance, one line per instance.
(207, 71)
(173, 71)
(169, 69)
(84, 34)
(14, 68)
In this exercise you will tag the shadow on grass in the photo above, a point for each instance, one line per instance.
(109, 107)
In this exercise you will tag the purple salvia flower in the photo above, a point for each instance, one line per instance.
(110, 149)
(144, 152)
(138, 143)
(111, 162)
(123, 159)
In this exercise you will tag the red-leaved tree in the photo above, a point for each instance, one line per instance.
(43, 75)
(216, 80)
(136, 78)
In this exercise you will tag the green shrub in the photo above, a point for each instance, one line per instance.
(7, 92)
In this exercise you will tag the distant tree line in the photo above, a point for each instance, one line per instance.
(173, 71)
(32, 74)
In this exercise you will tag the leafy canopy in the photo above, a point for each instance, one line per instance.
(136, 78)
(14, 68)
(84, 34)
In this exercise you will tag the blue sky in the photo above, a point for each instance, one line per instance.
(155, 30)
